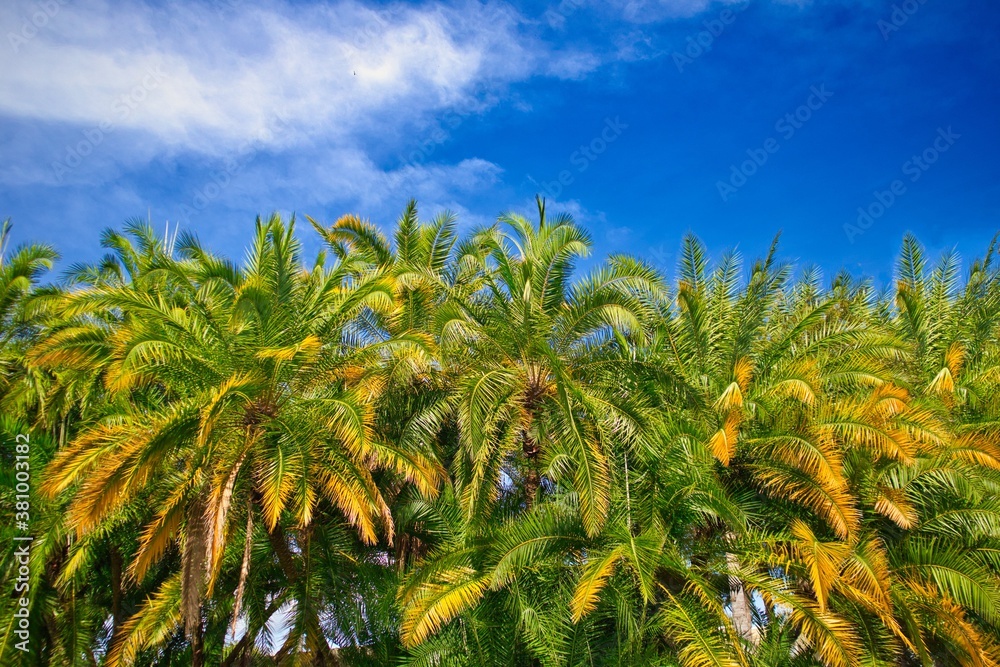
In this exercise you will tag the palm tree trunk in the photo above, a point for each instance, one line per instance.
(198, 647)
(244, 568)
(116, 593)
(739, 602)
(531, 483)
(62, 431)
(532, 480)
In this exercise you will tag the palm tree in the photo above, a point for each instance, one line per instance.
(539, 400)
(536, 397)
(254, 404)
(22, 309)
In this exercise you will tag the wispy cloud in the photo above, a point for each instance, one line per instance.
(330, 70)
(107, 88)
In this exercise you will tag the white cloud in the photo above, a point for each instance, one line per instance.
(646, 11)
(653, 10)
(201, 78)
(316, 90)
(635, 11)
(301, 97)
(351, 176)
(336, 180)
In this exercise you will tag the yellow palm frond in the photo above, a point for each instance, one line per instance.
(309, 347)
(435, 604)
(894, 504)
(835, 504)
(696, 633)
(157, 619)
(592, 582)
(158, 534)
(723, 442)
(743, 372)
(217, 512)
(954, 358)
(943, 382)
(829, 636)
(731, 398)
(821, 559)
(355, 494)
(978, 447)
(720, 447)
(794, 388)
(275, 479)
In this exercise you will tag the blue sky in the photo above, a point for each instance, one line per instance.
(733, 120)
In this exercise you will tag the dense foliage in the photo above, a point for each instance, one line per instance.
(445, 449)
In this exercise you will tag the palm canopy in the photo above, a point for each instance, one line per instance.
(428, 447)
